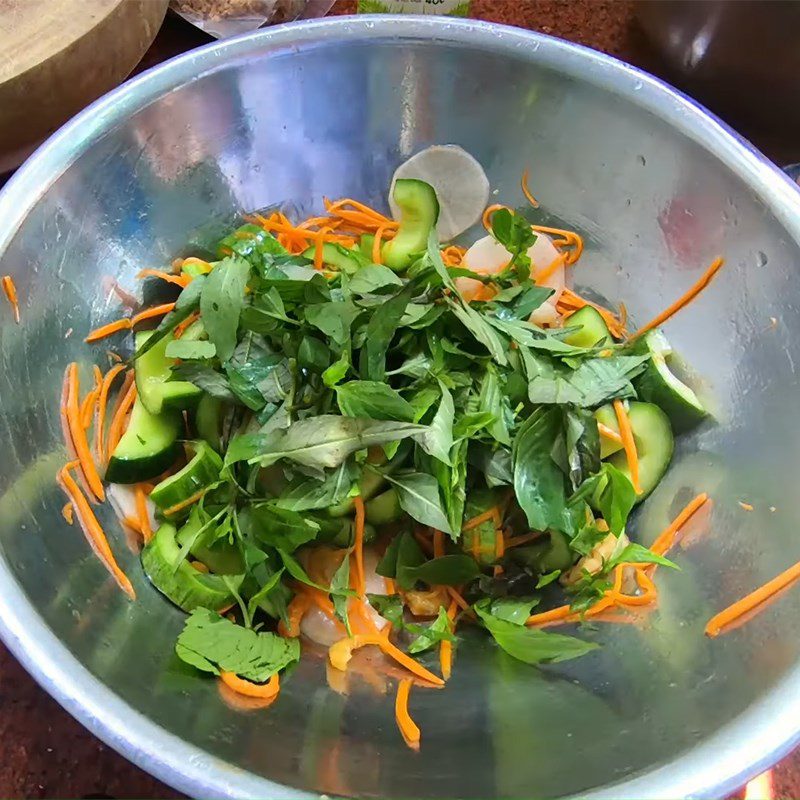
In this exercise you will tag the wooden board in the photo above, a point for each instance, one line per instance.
(60, 55)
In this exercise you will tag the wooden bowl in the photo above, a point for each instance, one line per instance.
(60, 55)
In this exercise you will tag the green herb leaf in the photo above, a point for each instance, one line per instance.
(389, 606)
(372, 277)
(278, 527)
(333, 319)
(616, 498)
(381, 329)
(538, 481)
(431, 635)
(513, 609)
(184, 349)
(222, 301)
(307, 494)
(481, 330)
(419, 498)
(321, 442)
(373, 399)
(341, 592)
(637, 554)
(531, 645)
(452, 570)
(212, 643)
(492, 401)
(206, 378)
(438, 440)
(514, 232)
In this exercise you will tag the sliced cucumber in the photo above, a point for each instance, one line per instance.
(365, 244)
(544, 556)
(221, 557)
(384, 508)
(208, 421)
(148, 447)
(659, 385)
(185, 586)
(654, 445)
(153, 371)
(369, 484)
(594, 331)
(339, 257)
(201, 472)
(419, 211)
(605, 415)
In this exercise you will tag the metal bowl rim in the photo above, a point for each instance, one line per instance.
(752, 742)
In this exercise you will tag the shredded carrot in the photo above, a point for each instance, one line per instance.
(390, 587)
(446, 646)
(438, 544)
(67, 434)
(453, 255)
(629, 443)
(149, 313)
(516, 541)
(499, 549)
(123, 406)
(684, 300)
(408, 728)
(752, 601)
(745, 506)
(480, 519)
(102, 332)
(67, 513)
(102, 402)
(340, 653)
(666, 538)
(358, 544)
(609, 433)
(199, 566)
(424, 543)
(347, 201)
(487, 215)
(526, 191)
(11, 294)
(568, 239)
(178, 280)
(181, 327)
(248, 688)
(78, 434)
(319, 241)
(376, 245)
(457, 598)
(91, 528)
(559, 261)
(143, 513)
(187, 501)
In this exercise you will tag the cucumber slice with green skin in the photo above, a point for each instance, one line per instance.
(654, 445)
(148, 447)
(365, 244)
(419, 212)
(605, 415)
(384, 508)
(369, 485)
(153, 371)
(594, 331)
(659, 385)
(545, 556)
(221, 557)
(338, 257)
(208, 421)
(185, 586)
(201, 472)
(338, 531)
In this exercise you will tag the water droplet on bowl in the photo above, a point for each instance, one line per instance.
(761, 259)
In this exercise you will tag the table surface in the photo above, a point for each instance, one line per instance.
(46, 753)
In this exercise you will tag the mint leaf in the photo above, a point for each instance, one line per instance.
(213, 643)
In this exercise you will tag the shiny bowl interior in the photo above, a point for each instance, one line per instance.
(328, 109)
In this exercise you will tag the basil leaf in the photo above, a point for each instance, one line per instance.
(340, 591)
(496, 465)
(372, 277)
(381, 329)
(452, 570)
(389, 606)
(637, 554)
(582, 444)
(513, 609)
(538, 481)
(419, 498)
(307, 494)
(514, 232)
(531, 645)
(602, 379)
(277, 527)
(430, 635)
(616, 498)
(438, 439)
(492, 401)
(295, 569)
(261, 599)
(206, 378)
(322, 442)
(213, 643)
(186, 350)
(481, 330)
(586, 539)
(373, 399)
(337, 371)
(333, 319)
(251, 383)
(221, 303)
(402, 556)
(547, 579)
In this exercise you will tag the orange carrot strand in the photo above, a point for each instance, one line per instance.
(102, 332)
(149, 313)
(10, 290)
(408, 728)
(78, 434)
(628, 443)
(526, 191)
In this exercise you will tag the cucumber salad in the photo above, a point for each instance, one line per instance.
(349, 432)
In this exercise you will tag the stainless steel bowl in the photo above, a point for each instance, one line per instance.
(329, 108)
